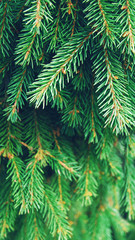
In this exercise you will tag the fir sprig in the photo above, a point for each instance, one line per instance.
(17, 89)
(7, 212)
(98, 14)
(6, 22)
(113, 98)
(37, 16)
(62, 65)
(67, 170)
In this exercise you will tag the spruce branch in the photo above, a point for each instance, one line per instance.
(61, 99)
(105, 149)
(55, 217)
(75, 16)
(5, 64)
(8, 137)
(30, 44)
(34, 182)
(128, 197)
(126, 19)
(113, 98)
(87, 183)
(38, 158)
(22, 143)
(63, 160)
(6, 22)
(119, 225)
(59, 157)
(36, 226)
(54, 31)
(92, 120)
(100, 225)
(17, 89)
(20, 9)
(7, 212)
(67, 170)
(98, 15)
(67, 21)
(73, 112)
(104, 214)
(62, 65)
(15, 171)
(61, 187)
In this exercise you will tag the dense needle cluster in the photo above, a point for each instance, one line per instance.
(67, 119)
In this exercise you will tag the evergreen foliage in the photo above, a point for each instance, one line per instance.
(67, 119)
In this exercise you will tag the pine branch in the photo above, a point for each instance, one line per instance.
(35, 226)
(37, 16)
(92, 120)
(98, 14)
(62, 159)
(87, 184)
(119, 225)
(113, 98)
(47, 146)
(100, 226)
(6, 22)
(8, 137)
(62, 65)
(61, 99)
(128, 197)
(15, 171)
(69, 168)
(126, 19)
(73, 113)
(64, 25)
(5, 64)
(106, 150)
(38, 158)
(130, 72)
(17, 89)
(62, 189)
(55, 217)
(34, 182)
(7, 211)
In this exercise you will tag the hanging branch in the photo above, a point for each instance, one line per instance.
(75, 15)
(126, 20)
(36, 226)
(47, 80)
(87, 184)
(92, 121)
(37, 16)
(73, 112)
(128, 196)
(6, 34)
(17, 89)
(98, 15)
(7, 212)
(16, 169)
(55, 217)
(15, 165)
(113, 100)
